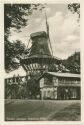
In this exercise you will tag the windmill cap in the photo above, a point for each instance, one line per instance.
(41, 33)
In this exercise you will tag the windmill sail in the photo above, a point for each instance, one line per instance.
(47, 29)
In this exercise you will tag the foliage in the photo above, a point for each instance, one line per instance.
(16, 17)
(33, 86)
(13, 51)
(73, 63)
(75, 8)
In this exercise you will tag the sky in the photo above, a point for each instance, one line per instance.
(64, 29)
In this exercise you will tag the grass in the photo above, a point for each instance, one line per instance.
(70, 113)
(37, 110)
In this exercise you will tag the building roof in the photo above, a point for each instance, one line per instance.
(64, 74)
(20, 71)
(41, 33)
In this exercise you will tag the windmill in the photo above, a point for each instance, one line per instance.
(40, 58)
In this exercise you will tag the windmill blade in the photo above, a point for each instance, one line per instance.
(47, 28)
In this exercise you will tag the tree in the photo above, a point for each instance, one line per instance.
(13, 51)
(75, 8)
(16, 17)
(73, 63)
